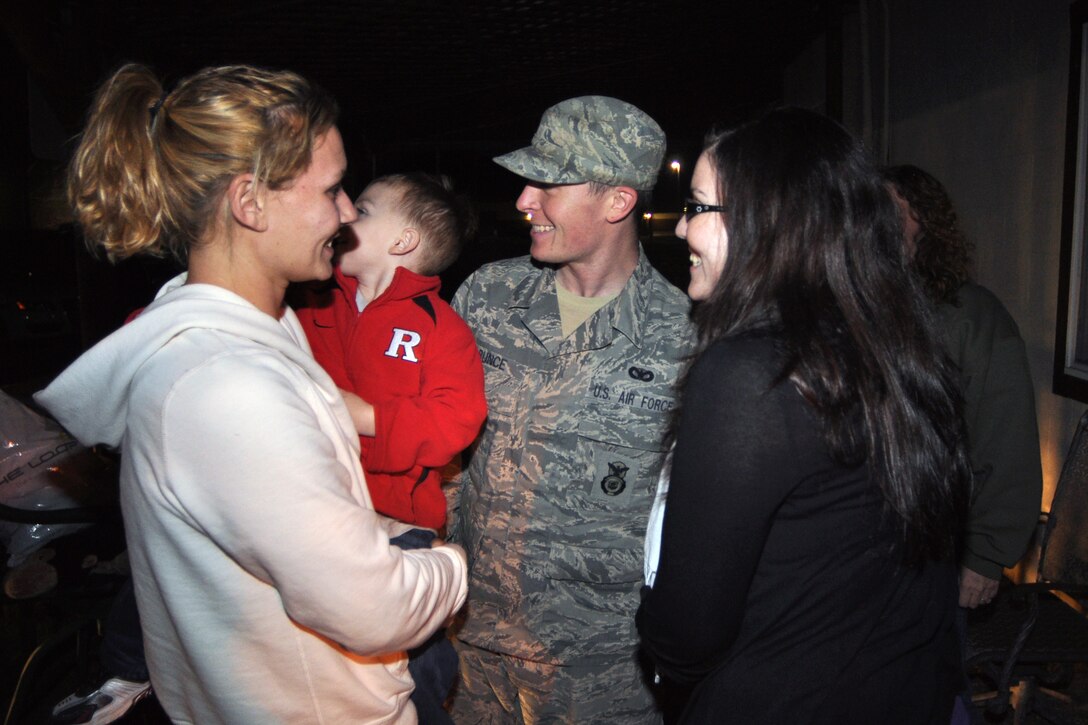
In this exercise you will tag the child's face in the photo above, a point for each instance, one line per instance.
(371, 238)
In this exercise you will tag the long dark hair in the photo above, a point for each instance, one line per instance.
(816, 256)
(942, 258)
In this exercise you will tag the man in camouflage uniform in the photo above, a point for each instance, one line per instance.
(581, 345)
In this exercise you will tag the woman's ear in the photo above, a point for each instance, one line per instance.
(246, 205)
(406, 242)
(622, 202)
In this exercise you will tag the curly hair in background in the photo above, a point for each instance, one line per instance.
(942, 255)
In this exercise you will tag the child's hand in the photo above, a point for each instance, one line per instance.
(362, 413)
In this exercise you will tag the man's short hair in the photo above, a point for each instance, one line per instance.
(642, 200)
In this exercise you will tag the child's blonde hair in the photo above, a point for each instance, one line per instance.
(445, 219)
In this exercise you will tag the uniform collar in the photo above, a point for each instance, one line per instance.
(536, 300)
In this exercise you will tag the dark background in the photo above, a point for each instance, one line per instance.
(974, 91)
(436, 85)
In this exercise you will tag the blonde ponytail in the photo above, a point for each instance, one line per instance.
(113, 181)
(151, 168)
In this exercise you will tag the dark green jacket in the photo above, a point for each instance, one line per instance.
(1003, 435)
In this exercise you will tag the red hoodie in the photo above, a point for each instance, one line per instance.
(415, 360)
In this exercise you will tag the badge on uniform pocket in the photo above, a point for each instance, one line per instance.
(614, 474)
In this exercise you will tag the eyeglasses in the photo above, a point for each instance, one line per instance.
(692, 208)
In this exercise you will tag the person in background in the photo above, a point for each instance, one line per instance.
(999, 398)
(819, 475)
(581, 344)
(123, 680)
(408, 368)
(1003, 436)
(266, 584)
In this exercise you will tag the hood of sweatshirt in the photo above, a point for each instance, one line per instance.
(90, 398)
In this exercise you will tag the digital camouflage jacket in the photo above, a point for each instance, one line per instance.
(1003, 437)
(556, 496)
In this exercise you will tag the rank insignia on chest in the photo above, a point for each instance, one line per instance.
(614, 483)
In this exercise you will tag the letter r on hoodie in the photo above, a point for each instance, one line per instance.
(406, 340)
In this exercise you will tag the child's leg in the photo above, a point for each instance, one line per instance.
(433, 665)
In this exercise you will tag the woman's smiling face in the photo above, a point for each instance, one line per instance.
(705, 233)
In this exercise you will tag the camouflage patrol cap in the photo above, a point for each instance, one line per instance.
(592, 138)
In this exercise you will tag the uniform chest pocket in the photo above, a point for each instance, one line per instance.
(624, 457)
(501, 391)
(502, 377)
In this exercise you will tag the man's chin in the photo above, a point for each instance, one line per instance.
(545, 254)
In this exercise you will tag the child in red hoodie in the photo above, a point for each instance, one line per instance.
(407, 364)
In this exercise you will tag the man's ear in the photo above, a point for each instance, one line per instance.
(246, 203)
(622, 201)
(406, 242)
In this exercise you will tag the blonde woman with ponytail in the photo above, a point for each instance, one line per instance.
(267, 587)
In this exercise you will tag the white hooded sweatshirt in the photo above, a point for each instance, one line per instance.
(266, 584)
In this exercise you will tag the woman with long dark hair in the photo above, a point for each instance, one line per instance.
(819, 473)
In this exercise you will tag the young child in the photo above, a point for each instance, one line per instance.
(408, 366)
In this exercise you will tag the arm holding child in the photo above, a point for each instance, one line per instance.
(362, 413)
